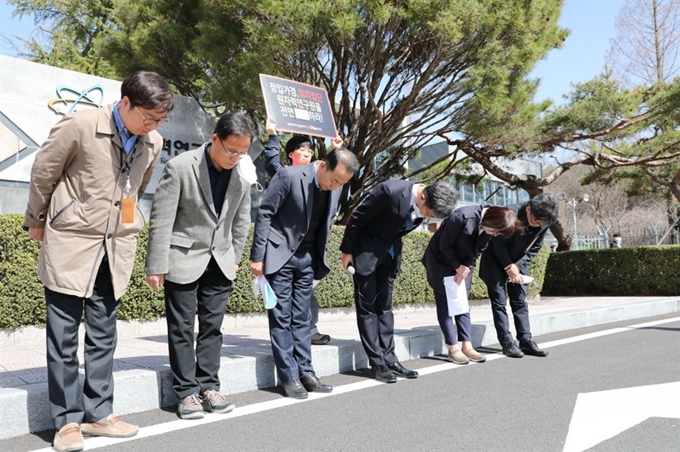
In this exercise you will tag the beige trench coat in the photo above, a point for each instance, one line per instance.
(77, 183)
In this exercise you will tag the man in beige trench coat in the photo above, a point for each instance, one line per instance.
(85, 184)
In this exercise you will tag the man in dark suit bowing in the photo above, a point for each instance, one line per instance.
(289, 248)
(372, 244)
(503, 265)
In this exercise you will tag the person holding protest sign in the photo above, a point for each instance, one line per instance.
(300, 151)
(453, 251)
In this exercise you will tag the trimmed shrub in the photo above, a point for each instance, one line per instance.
(21, 292)
(139, 301)
(537, 268)
(337, 289)
(411, 284)
(639, 271)
(22, 295)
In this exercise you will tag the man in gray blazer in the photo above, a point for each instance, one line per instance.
(289, 248)
(199, 224)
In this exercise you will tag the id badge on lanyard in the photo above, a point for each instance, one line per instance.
(127, 204)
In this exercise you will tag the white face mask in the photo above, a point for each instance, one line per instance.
(247, 169)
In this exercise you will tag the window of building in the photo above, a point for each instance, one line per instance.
(466, 193)
(480, 193)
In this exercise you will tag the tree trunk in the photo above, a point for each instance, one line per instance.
(563, 239)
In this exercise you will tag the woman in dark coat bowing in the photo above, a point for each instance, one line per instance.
(453, 251)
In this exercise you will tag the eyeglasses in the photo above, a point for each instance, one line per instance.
(152, 121)
(232, 153)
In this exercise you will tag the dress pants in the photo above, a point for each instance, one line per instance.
(196, 371)
(496, 280)
(462, 329)
(289, 319)
(63, 319)
(373, 297)
(314, 311)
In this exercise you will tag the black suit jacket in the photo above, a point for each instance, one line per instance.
(284, 217)
(377, 224)
(519, 249)
(457, 241)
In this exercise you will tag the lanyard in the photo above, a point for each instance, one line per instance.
(127, 160)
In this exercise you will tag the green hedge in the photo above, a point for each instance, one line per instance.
(22, 300)
(641, 271)
(21, 293)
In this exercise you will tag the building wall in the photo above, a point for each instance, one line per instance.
(491, 190)
(33, 97)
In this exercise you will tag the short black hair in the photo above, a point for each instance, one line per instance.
(544, 208)
(441, 198)
(234, 124)
(148, 90)
(297, 141)
(344, 156)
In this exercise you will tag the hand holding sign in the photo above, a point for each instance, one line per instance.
(337, 142)
(270, 127)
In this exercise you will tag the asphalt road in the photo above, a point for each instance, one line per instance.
(606, 388)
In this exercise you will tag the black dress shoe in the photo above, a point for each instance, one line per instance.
(401, 371)
(530, 348)
(320, 339)
(512, 350)
(383, 373)
(294, 389)
(312, 383)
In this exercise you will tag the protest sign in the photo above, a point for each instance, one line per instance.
(297, 107)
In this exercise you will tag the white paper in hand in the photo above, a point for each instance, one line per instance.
(261, 287)
(456, 297)
(526, 279)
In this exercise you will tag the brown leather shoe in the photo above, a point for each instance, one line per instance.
(111, 427)
(69, 438)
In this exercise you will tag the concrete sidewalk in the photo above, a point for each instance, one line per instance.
(143, 379)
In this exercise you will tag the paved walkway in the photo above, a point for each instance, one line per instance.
(141, 368)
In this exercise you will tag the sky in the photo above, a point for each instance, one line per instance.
(581, 58)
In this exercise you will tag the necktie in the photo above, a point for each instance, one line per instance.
(409, 225)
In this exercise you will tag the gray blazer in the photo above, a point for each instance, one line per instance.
(284, 217)
(184, 231)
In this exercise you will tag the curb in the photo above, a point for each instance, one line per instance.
(149, 386)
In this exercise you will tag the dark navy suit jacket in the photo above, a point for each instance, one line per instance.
(377, 224)
(457, 241)
(284, 217)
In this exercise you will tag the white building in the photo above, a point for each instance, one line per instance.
(33, 97)
(490, 190)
